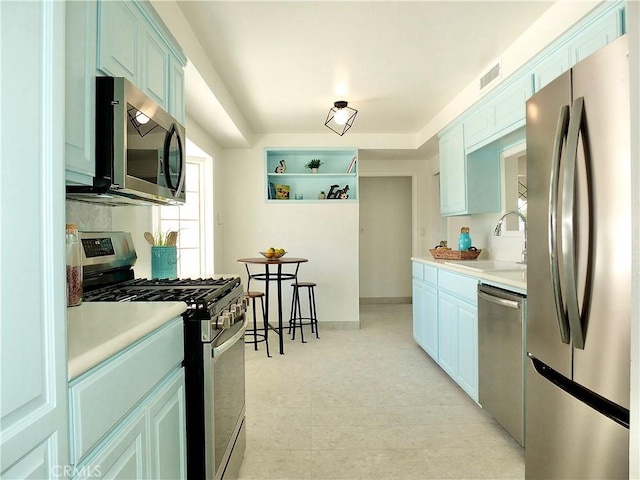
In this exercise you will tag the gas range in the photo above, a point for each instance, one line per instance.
(108, 260)
(203, 296)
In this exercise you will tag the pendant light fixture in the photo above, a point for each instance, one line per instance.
(340, 117)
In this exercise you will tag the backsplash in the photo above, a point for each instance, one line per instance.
(89, 216)
(134, 219)
(507, 247)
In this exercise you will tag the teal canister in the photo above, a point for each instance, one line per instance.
(464, 241)
(164, 262)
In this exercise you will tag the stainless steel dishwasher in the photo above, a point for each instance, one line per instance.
(501, 317)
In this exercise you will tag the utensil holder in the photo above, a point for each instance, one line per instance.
(164, 262)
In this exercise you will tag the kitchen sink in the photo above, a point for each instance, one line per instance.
(488, 265)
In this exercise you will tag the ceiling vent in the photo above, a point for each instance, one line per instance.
(490, 77)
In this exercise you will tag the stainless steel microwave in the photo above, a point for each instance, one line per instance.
(140, 155)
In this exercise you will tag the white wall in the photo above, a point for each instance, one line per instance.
(326, 233)
(633, 19)
(385, 237)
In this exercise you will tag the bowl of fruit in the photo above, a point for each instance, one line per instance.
(273, 253)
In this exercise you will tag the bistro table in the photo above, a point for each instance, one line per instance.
(270, 276)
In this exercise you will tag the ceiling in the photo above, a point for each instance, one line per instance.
(400, 63)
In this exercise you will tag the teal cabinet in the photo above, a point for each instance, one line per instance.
(149, 443)
(33, 367)
(453, 177)
(132, 42)
(176, 92)
(551, 67)
(510, 105)
(155, 68)
(124, 456)
(118, 40)
(419, 312)
(458, 329)
(445, 322)
(469, 183)
(448, 333)
(596, 35)
(503, 113)
(338, 172)
(425, 308)
(141, 432)
(80, 65)
(167, 432)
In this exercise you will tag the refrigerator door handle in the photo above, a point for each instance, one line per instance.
(554, 183)
(568, 239)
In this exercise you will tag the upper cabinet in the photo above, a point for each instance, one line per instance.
(120, 39)
(470, 147)
(80, 90)
(133, 43)
(469, 183)
(289, 178)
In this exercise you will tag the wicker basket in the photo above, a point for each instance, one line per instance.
(442, 254)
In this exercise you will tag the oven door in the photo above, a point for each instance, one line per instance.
(224, 400)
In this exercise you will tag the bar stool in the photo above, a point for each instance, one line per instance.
(253, 332)
(296, 318)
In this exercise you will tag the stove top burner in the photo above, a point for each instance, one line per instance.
(181, 282)
(196, 293)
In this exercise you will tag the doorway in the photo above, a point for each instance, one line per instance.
(385, 239)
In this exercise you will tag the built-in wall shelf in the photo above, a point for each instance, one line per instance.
(287, 178)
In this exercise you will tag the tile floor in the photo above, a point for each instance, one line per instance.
(367, 404)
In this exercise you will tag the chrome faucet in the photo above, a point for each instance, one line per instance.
(498, 229)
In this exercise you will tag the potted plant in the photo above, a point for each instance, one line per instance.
(313, 164)
(321, 195)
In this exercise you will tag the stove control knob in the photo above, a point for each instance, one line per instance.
(226, 321)
(238, 309)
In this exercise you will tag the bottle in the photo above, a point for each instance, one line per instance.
(74, 266)
(464, 241)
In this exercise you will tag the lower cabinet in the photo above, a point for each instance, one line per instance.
(445, 322)
(458, 339)
(425, 317)
(128, 414)
(149, 444)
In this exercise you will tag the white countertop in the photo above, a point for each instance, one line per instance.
(515, 279)
(98, 330)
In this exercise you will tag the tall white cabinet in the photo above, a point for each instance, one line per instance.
(33, 376)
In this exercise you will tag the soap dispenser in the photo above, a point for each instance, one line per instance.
(464, 241)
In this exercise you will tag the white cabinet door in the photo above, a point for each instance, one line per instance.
(33, 367)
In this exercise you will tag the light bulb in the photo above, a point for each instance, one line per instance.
(341, 116)
(142, 118)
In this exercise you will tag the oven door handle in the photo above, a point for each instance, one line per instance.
(220, 349)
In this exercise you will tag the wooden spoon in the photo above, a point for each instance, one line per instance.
(149, 238)
(172, 238)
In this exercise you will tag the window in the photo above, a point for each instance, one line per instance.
(190, 219)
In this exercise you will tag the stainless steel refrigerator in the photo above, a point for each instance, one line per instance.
(579, 274)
